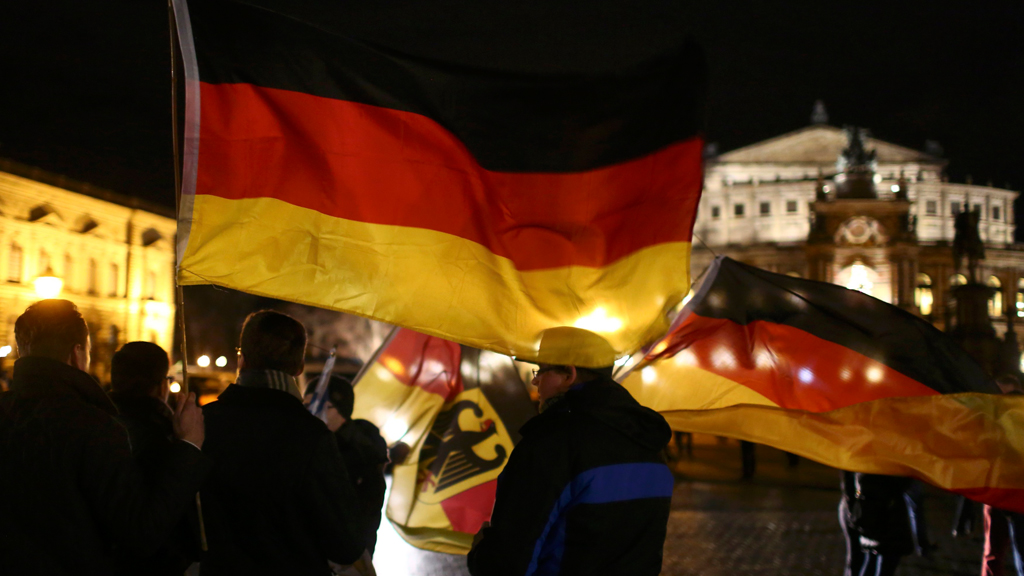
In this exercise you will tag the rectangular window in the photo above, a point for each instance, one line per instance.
(716, 212)
(738, 210)
(931, 207)
(14, 264)
(977, 208)
(791, 206)
(995, 213)
(954, 208)
(114, 280)
(766, 208)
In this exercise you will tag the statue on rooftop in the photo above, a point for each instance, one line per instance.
(967, 242)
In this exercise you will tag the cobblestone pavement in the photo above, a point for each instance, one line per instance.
(782, 522)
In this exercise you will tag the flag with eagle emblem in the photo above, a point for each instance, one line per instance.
(459, 410)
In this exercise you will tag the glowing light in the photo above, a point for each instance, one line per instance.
(874, 374)
(688, 297)
(48, 286)
(660, 347)
(4, 351)
(845, 374)
(859, 279)
(394, 430)
(648, 375)
(764, 360)
(175, 387)
(805, 375)
(878, 178)
(599, 321)
(394, 365)
(1022, 363)
(203, 361)
(723, 359)
(221, 362)
(686, 358)
(895, 188)
(622, 361)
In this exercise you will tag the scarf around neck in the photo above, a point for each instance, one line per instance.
(273, 379)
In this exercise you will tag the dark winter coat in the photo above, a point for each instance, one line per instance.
(365, 452)
(584, 492)
(279, 500)
(70, 492)
(877, 511)
(151, 433)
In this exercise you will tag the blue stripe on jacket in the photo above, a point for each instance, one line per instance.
(615, 483)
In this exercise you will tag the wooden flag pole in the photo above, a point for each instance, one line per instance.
(179, 293)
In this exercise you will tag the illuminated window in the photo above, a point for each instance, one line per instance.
(14, 264)
(923, 294)
(69, 273)
(115, 280)
(1020, 298)
(93, 290)
(995, 302)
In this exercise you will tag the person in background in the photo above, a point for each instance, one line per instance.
(877, 522)
(139, 390)
(279, 500)
(364, 452)
(72, 493)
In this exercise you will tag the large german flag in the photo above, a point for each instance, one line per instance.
(459, 410)
(836, 376)
(477, 172)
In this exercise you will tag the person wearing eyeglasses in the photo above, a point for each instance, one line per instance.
(585, 491)
(140, 388)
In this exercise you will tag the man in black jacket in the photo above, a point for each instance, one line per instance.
(364, 452)
(585, 491)
(140, 389)
(279, 499)
(72, 493)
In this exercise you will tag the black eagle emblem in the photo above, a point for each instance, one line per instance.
(447, 456)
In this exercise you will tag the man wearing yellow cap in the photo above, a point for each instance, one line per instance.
(585, 491)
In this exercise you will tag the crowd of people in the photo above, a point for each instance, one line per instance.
(253, 483)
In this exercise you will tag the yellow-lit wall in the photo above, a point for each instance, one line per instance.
(117, 263)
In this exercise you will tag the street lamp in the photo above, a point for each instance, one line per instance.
(203, 361)
(4, 351)
(221, 362)
(48, 285)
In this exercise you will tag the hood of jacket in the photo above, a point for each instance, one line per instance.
(44, 377)
(610, 404)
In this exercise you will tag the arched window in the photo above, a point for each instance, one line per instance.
(150, 285)
(957, 280)
(995, 302)
(1020, 297)
(14, 264)
(923, 294)
(69, 273)
(115, 281)
(44, 263)
(93, 280)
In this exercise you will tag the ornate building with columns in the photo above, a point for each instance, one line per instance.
(839, 206)
(111, 255)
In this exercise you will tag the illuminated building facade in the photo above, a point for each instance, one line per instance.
(111, 255)
(839, 206)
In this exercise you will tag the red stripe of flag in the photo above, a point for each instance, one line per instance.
(384, 166)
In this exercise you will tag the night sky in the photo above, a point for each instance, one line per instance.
(85, 85)
(85, 91)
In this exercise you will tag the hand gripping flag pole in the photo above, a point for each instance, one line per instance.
(179, 293)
